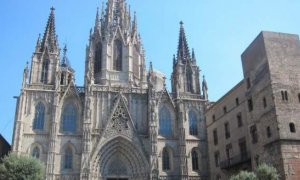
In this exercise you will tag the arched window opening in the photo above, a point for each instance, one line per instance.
(69, 118)
(166, 159)
(165, 124)
(68, 159)
(44, 75)
(98, 58)
(39, 117)
(195, 161)
(189, 80)
(117, 58)
(36, 152)
(292, 128)
(193, 123)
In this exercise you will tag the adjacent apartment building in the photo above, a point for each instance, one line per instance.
(258, 119)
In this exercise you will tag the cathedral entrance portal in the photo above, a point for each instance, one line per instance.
(117, 179)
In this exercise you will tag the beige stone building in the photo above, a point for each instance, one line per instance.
(122, 124)
(258, 120)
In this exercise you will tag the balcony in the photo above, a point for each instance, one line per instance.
(235, 160)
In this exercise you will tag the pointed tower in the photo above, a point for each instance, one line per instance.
(185, 76)
(46, 56)
(115, 53)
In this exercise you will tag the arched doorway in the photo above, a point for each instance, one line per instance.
(120, 159)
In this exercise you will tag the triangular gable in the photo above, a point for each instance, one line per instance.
(118, 35)
(71, 91)
(120, 122)
(165, 96)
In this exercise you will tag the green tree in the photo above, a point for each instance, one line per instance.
(21, 167)
(266, 172)
(244, 175)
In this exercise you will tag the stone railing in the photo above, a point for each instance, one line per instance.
(235, 160)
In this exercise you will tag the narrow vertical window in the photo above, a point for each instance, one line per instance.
(225, 109)
(45, 68)
(39, 117)
(248, 83)
(229, 153)
(243, 148)
(217, 158)
(195, 161)
(237, 102)
(166, 159)
(36, 152)
(250, 105)
(239, 120)
(254, 135)
(215, 134)
(227, 130)
(265, 102)
(269, 133)
(214, 118)
(292, 128)
(118, 53)
(68, 159)
(299, 97)
(284, 96)
(165, 124)
(69, 118)
(98, 58)
(193, 123)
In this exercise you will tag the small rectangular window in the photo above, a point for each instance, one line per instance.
(237, 102)
(269, 133)
(265, 102)
(250, 105)
(213, 118)
(299, 97)
(215, 134)
(248, 83)
(217, 158)
(227, 130)
(254, 135)
(229, 153)
(225, 109)
(239, 119)
(284, 96)
(243, 148)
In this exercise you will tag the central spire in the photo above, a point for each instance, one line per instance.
(49, 39)
(183, 53)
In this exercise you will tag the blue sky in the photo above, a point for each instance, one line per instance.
(218, 30)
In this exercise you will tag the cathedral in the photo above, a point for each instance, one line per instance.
(123, 124)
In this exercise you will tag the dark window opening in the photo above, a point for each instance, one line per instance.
(299, 97)
(269, 133)
(98, 58)
(227, 130)
(195, 165)
(254, 135)
(248, 83)
(237, 102)
(229, 153)
(250, 105)
(217, 158)
(239, 120)
(265, 102)
(45, 69)
(243, 148)
(118, 54)
(292, 128)
(214, 118)
(225, 109)
(284, 96)
(215, 134)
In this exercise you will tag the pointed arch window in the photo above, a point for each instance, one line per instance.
(45, 68)
(98, 58)
(165, 124)
(118, 53)
(69, 118)
(39, 117)
(36, 152)
(68, 158)
(189, 80)
(195, 160)
(166, 159)
(193, 123)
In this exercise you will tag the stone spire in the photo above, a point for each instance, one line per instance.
(97, 23)
(183, 53)
(204, 89)
(65, 61)
(50, 39)
(193, 57)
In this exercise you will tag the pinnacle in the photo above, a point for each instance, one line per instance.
(49, 38)
(183, 53)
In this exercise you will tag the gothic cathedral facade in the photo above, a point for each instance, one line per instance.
(123, 123)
